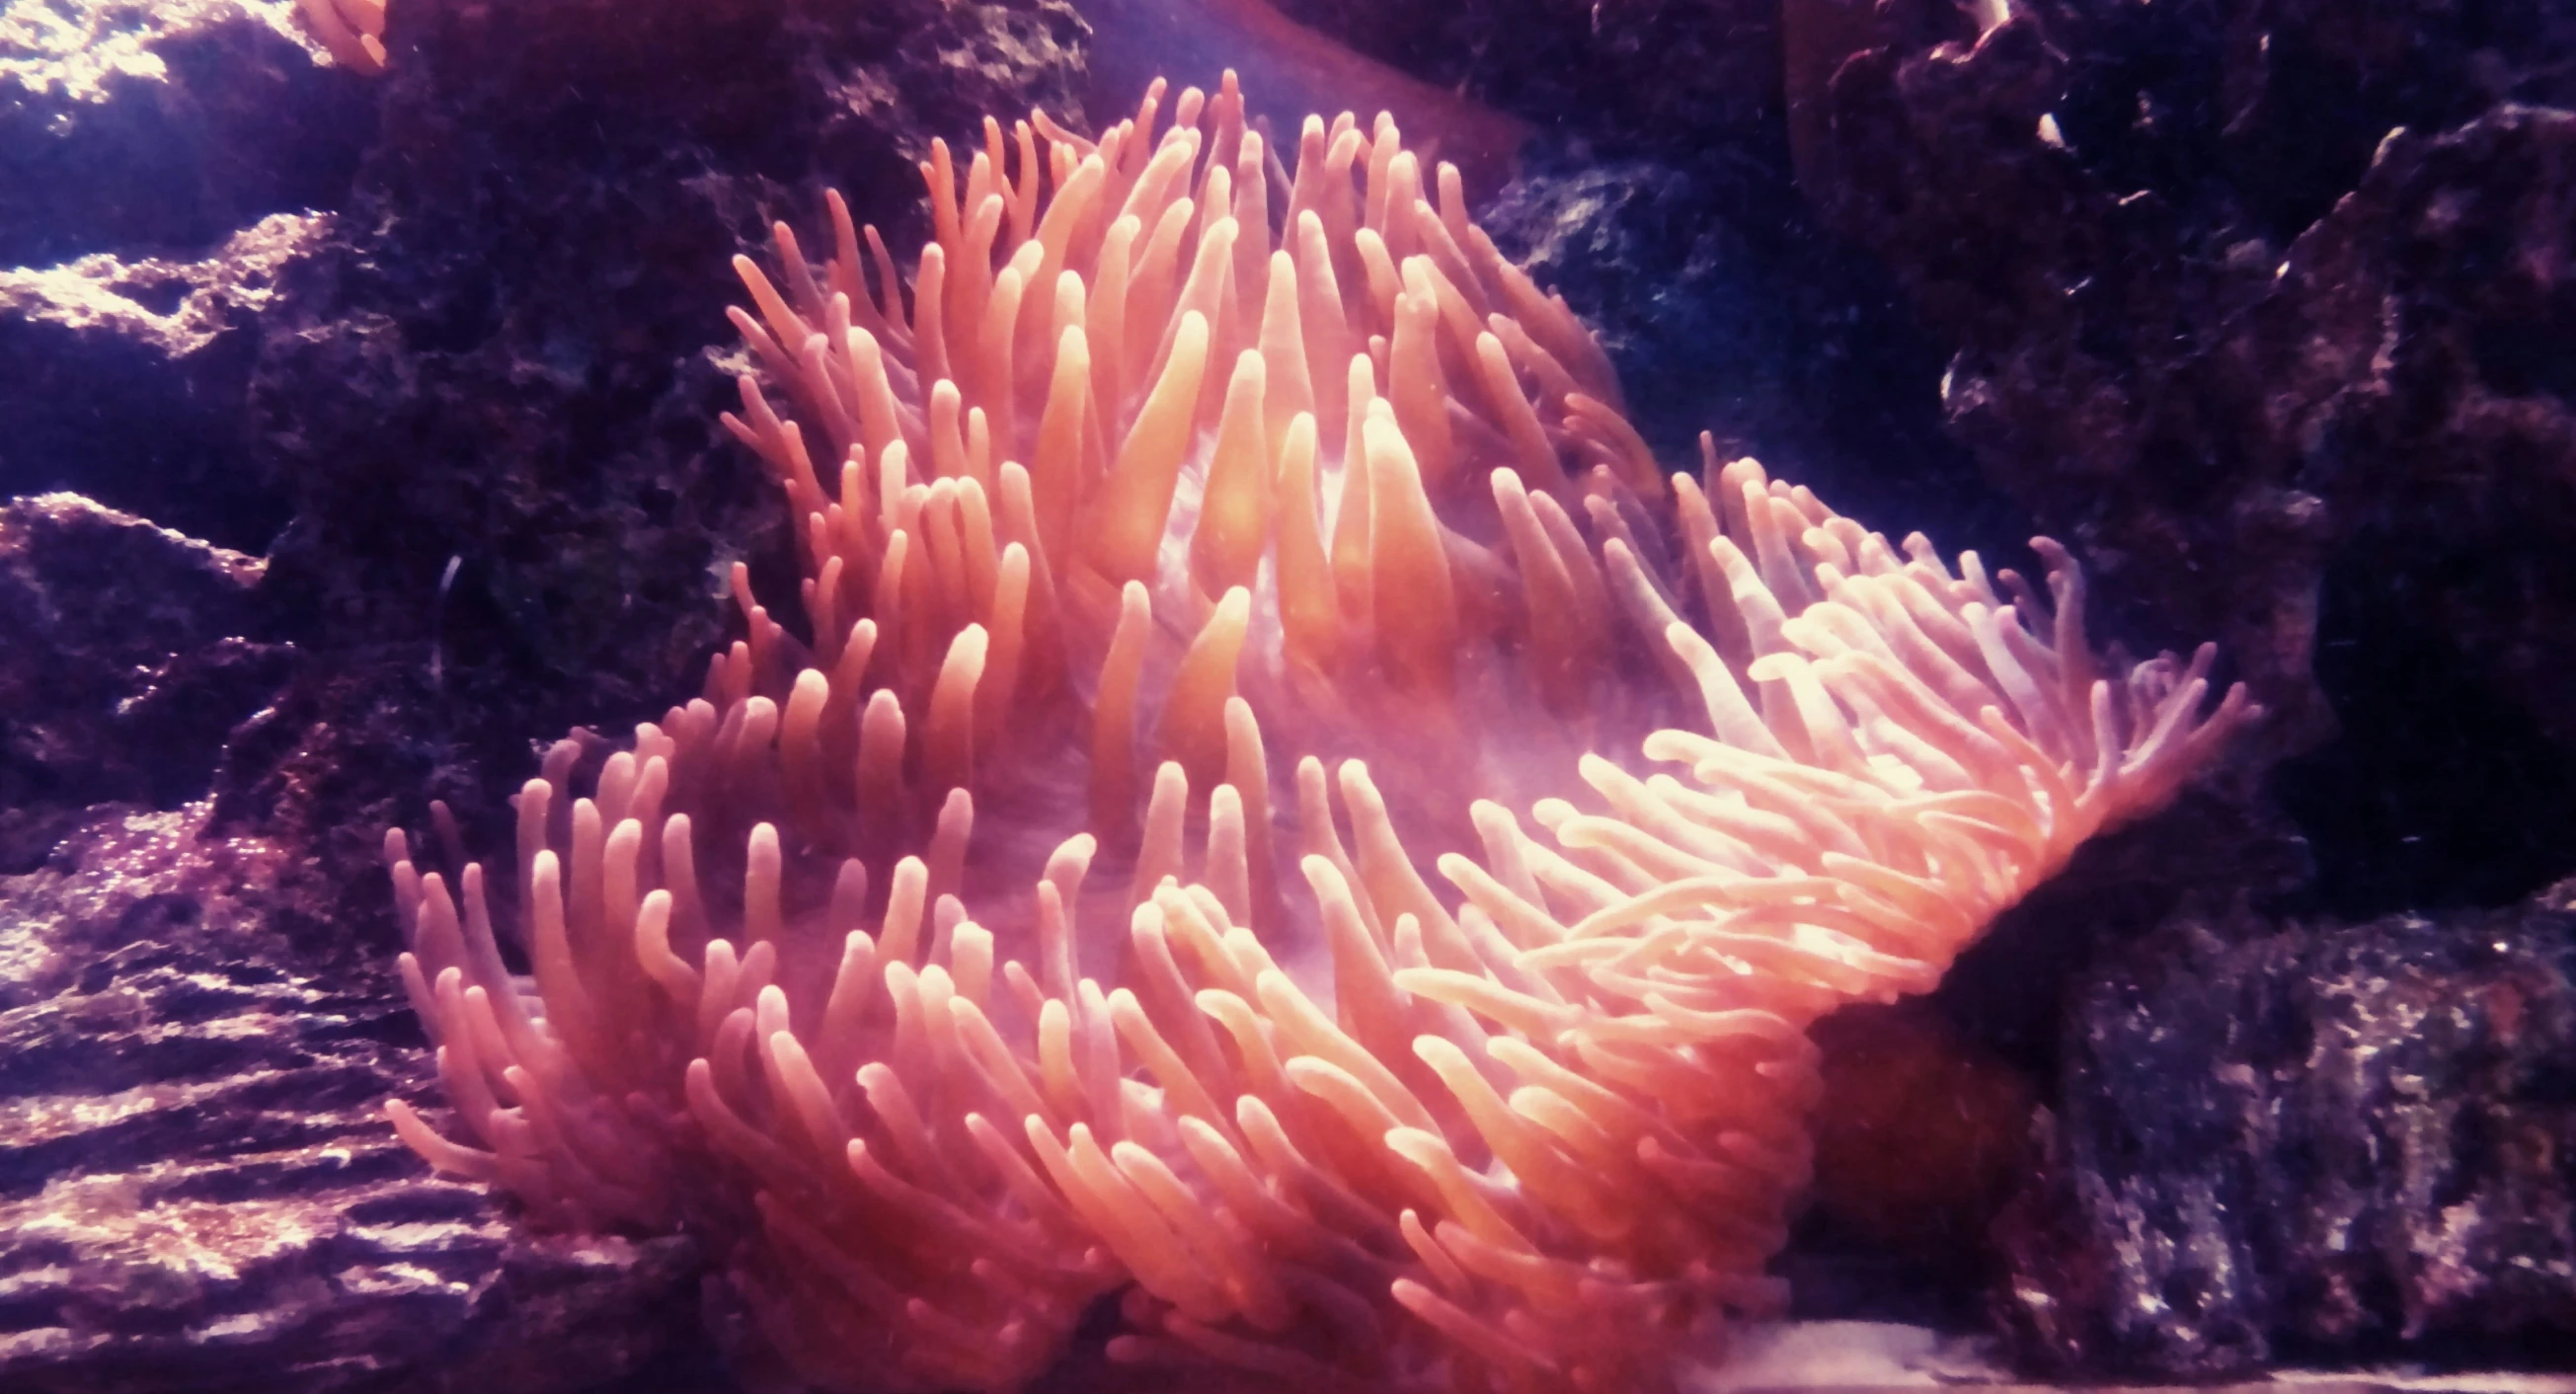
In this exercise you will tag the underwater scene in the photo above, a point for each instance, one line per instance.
(1412, 697)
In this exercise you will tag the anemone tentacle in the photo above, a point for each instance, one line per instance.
(1277, 806)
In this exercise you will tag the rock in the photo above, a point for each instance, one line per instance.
(124, 377)
(197, 1188)
(2280, 372)
(130, 658)
(2420, 334)
(163, 126)
(1727, 313)
(1628, 76)
(2338, 1139)
(158, 165)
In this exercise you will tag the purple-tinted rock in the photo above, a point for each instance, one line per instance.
(2285, 377)
(197, 1188)
(1625, 74)
(2294, 1141)
(2087, 375)
(163, 126)
(158, 159)
(2094, 202)
(124, 377)
(2426, 341)
(126, 659)
(1724, 316)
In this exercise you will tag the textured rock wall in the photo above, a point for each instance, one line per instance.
(2303, 1139)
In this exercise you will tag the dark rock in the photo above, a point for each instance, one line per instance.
(130, 658)
(2087, 375)
(2347, 1142)
(197, 1188)
(1726, 314)
(1628, 76)
(2286, 376)
(2423, 343)
(164, 126)
(157, 164)
(124, 377)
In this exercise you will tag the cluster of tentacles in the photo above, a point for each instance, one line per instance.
(1285, 815)
(352, 30)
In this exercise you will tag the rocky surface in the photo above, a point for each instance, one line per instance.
(160, 161)
(197, 1188)
(131, 661)
(163, 125)
(2266, 307)
(2263, 306)
(1624, 75)
(123, 376)
(2282, 1140)
(1751, 327)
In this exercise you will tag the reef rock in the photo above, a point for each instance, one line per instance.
(2276, 1141)
(131, 657)
(197, 1189)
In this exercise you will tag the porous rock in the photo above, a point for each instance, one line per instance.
(159, 164)
(1625, 75)
(197, 1188)
(162, 125)
(131, 655)
(2264, 306)
(2277, 1141)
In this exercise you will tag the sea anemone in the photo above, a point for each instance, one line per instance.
(352, 30)
(1285, 813)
